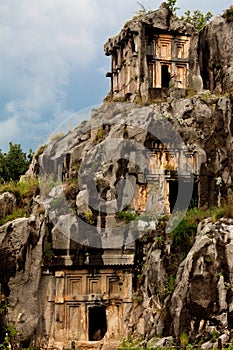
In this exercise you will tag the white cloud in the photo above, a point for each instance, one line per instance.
(9, 131)
(43, 44)
(40, 43)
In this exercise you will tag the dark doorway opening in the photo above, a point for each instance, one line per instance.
(194, 201)
(165, 76)
(173, 192)
(97, 323)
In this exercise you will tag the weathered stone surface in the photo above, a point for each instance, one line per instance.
(215, 55)
(209, 345)
(7, 204)
(200, 301)
(202, 284)
(20, 271)
(157, 307)
(165, 342)
(199, 120)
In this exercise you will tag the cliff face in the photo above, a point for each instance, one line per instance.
(97, 171)
(215, 55)
(21, 261)
(101, 237)
(198, 301)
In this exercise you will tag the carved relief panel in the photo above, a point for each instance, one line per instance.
(164, 47)
(181, 76)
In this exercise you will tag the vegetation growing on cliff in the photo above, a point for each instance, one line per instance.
(23, 192)
(183, 235)
(171, 4)
(134, 344)
(198, 19)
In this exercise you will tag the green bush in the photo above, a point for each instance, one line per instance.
(99, 135)
(48, 251)
(89, 216)
(9, 340)
(171, 4)
(40, 150)
(23, 191)
(55, 137)
(184, 339)
(3, 308)
(197, 18)
(214, 336)
(184, 234)
(129, 343)
(125, 215)
(227, 210)
(170, 287)
(18, 213)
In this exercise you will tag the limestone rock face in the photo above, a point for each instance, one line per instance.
(203, 285)
(113, 162)
(199, 301)
(20, 271)
(89, 153)
(215, 55)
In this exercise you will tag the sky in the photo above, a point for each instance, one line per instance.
(52, 63)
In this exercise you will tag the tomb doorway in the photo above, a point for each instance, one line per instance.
(165, 76)
(173, 192)
(97, 323)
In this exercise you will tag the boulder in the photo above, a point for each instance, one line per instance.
(7, 204)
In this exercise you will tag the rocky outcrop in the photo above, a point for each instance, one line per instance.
(200, 120)
(215, 55)
(203, 121)
(108, 153)
(202, 299)
(7, 204)
(198, 302)
(21, 243)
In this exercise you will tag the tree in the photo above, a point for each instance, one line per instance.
(171, 4)
(197, 19)
(14, 163)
